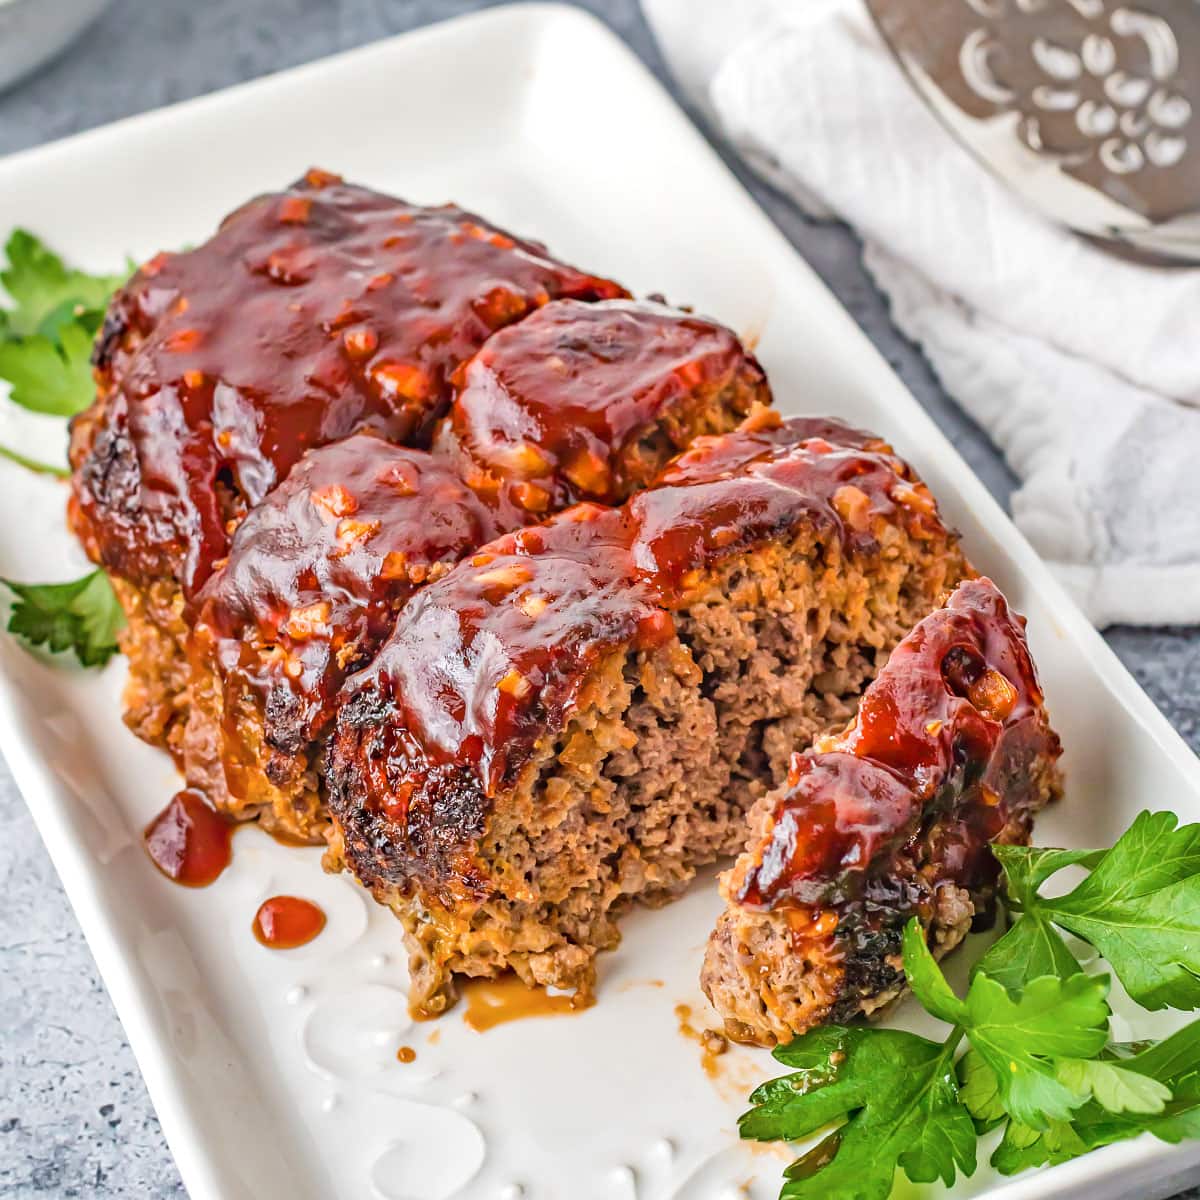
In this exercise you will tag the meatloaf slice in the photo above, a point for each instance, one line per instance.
(311, 313)
(317, 572)
(315, 578)
(589, 401)
(577, 715)
(892, 818)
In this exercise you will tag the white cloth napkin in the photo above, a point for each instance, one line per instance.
(1084, 369)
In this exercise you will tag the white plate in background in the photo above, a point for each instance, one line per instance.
(33, 31)
(274, 1073)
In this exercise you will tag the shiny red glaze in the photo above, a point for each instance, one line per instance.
(318, 571)
(189, 842)
(712, 456)
(285, 922)
(730, 492)
(552, 409)
(486, 660)
(310, 314)
(334, 561)
(918, 745)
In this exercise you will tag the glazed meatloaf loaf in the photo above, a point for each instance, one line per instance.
(598, 400)
(312, 313)
(582, 712)
(951, 750)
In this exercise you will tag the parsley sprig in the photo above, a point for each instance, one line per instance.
(82, 616)
(1028, 1050)
(897, 1098)
(1140, 909)
(47, 330)
(46, 336)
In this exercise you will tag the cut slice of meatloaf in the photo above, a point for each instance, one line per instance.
(315, 578)
(317, 572)
(589, 401)
(951, 750)
(310, 314)
(581, 713)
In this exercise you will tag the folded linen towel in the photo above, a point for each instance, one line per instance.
(1082, 367)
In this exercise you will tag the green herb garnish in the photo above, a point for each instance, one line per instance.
(47, 331)
(1029, 1045)
(897, 1096)
(32, 464)
(1139, 907)
(82, 616)
(44, 290)
(46, 337)
(52, 375)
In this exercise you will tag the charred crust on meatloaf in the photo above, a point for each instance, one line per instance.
(112, 332)
(439, 827)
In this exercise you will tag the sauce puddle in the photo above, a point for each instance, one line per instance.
(188, 841)
(285, 922)
(406, 1054)
(712, 1043)
(492, 1002)
(278, 836)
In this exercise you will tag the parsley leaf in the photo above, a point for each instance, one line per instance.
(1114, 1087)
(82, 615)
(1022, 1148)
(46, 336)
(1028, 867)
(898, 1097)
(1171, 1066)
(1031, 947)
(1020, 1037)
(980, 1090)
(51, 375)
(39, 283)
(1139, 907)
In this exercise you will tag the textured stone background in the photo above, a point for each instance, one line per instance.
(75, 1119)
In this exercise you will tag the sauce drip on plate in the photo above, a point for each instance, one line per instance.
(188, 841)
(285, 922)
(492, 1002)
(712, 1043)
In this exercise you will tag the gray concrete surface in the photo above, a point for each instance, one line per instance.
(75, 1119)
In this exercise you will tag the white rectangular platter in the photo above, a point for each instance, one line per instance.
(275, 1074)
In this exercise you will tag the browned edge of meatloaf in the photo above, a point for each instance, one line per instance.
(154, 639)
(772, 975)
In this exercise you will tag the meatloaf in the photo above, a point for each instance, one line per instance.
(582, 712)
(315, 578)
(892, 818)
(312, 313)
(316, 573)
(589, 401)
